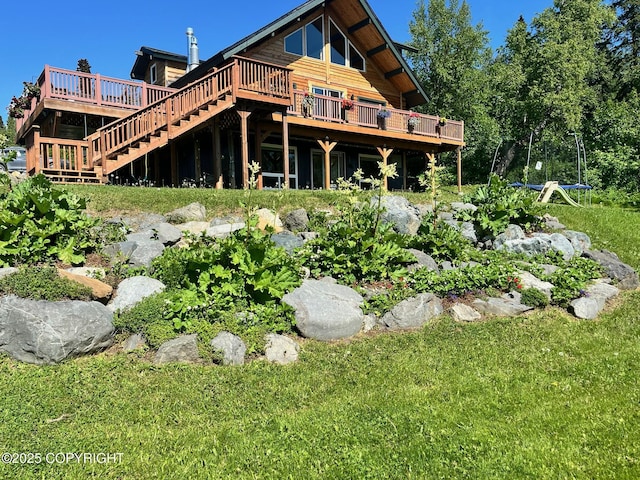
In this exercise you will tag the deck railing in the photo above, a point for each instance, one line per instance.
(330, 109)
(95, 90)
(63, 155)
(240, 76)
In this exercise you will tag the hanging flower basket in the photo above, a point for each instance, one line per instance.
(413, 122)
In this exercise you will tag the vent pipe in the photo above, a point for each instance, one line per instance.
(192, 60)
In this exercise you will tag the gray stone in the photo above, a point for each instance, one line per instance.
(166, 233)
(306, 236)
(183, 349)
(4, 271)
(224, 229)
(468, 231)
(529, 246)
(267, 218)
(281, 350)
(122, 250)
(529, 280)
(464, 313)
(231, 346)
(192, 212)
(140, 222)
(132, 290)
(297, 220)
(134, 342)
(461, 206)
(146, 252)
(91, 272)
(512, 232)
(625, 276)
(326, 311)
(413, 312)
(562, 244)
(602, 290)
(194, 227)
(446, 265)
(226, 220)
(41, 332)
(548, 269)
(500, 307)
(579, 240)
(585, 308)
(370, 322)
(552, 222)
(423, 260)
(287, 240)
(404, 217)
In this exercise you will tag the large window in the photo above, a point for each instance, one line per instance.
(273, 167)
(308, 40)
(337, 168)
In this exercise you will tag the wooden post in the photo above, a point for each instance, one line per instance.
(244, 140)
(327, 146)
(156, 167)
(459, 164)
(34, 151)
(258, 156)
(404, 170)
(174, 165)
(384, 153)
(285, 148)
(217, 154)
(197, 159)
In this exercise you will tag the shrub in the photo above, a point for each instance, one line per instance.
(534, 298)
(43, 283)
(441, 240)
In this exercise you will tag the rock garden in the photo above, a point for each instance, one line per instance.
(232, 289)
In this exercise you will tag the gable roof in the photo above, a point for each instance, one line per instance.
(146, 54)
(362, 23)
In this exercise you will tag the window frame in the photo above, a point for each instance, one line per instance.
(305, 49)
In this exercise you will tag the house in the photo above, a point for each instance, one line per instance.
(324, 83)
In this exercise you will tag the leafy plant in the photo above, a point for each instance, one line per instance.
(441, 240)
(498, 206)
(43, 283)
(534, 298)
(42, 223)
(570, 280)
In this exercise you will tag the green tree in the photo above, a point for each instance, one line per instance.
(450, 63)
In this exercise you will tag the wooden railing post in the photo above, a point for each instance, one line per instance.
(235, 80)
(144, 100)
(98, 90)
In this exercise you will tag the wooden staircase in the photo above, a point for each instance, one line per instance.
(155, 126)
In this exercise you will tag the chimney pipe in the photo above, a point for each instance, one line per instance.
(192, 59)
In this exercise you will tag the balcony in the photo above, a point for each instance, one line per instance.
(362, 114)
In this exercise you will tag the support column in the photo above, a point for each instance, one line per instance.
(197, 159)
(459, 162)
(431, 159)
(156, 167)
(217, 154)
(385, 153)
(327, 146)
(174, 165)
(285, 148)
(244, 140)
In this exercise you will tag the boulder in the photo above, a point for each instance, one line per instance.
(326, 311)
(585, 308)
(579, 240)
(461, 206)
(145, 252)
(552, 223)
(511, 233)
(91, 272)
(267, 218)
(99, 290)
(132, 290)
(41, 332)
(194, 227)
(192, 212)
(422, 260)
(297, 220)
(287, 240)
(140, 222)
(413, 312)
(281, 350)
(404, 217)
(468, 231)
(625, 276)
(120, 250)
(529, 280)
(134, 342)
(224, 229)
(166, 233)
(464, 313)
(500, 307)
(231, 346)
(4, 271)
(183, 349)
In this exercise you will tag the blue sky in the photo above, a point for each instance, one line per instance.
(108, 34)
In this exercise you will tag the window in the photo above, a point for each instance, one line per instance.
(153, 74)
(355, 59)
(273, 167)
(338, 45)
(308, 40)
(337, 168)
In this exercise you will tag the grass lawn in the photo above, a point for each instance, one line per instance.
(539, 396)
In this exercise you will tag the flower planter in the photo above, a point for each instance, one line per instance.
(382, 123)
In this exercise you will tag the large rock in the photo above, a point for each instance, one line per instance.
(99, 290)
(594, 300)
(145, 252)
(579, 240)
(183, 349)
(193, 212)
(512, 233)
(231, 346)
(297, 220)
(500, 307)
(44, 332)
(287, 240)
(267, 218)
(529, 280)
(464, 313)
(222, 230)
(539, 243)
(404, 217)
(4, 271)
(625, 276)
(326, 311)
(413, 312)
(132, 290)
(281, 350)
(163, 231)
(422, 260)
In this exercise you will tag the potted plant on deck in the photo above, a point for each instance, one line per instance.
(383, 114)
(347, 104)
(413, 121)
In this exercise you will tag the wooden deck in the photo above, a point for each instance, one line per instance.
(151, 117)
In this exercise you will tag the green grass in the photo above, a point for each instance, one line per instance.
(542, 396)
